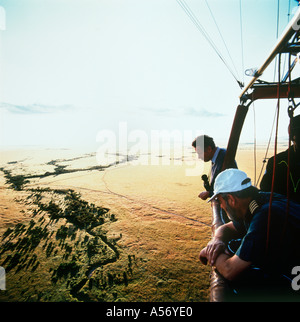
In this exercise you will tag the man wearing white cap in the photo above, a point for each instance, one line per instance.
(270, 240)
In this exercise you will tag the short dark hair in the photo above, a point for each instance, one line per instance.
(207, 140)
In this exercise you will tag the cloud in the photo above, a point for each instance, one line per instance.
(186, 111)
(33, 108)
(201, 112)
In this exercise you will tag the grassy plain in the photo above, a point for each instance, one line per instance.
(71, 230)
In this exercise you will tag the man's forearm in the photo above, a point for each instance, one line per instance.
(226, 232)
(219, 242)
(230, 267)
(223, 266)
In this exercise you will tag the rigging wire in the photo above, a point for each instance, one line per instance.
(275, 153)
(288, 20)
(222, 38)
(254, 139)
(185, 7)
(290, 113)
(277, 34)
(274, 119)
(242, 41)
(267, 150)
(276, 111)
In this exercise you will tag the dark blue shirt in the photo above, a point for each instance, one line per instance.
(283, 250)
(216, 167)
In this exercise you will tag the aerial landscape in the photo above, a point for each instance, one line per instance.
(99, 104)
(72, 234)
(75, 231)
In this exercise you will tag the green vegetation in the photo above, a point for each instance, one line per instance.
(63, 253)
(16, 182)
(63, 250)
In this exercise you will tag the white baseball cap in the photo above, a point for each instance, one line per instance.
(230, 180)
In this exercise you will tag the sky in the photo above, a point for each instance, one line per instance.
(71, 69)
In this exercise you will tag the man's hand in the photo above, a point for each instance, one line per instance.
(210, 253)
(203, 195)
(228, 266)
(203, 256)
